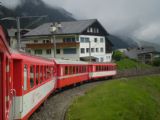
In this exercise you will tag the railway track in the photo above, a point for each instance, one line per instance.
(57, 105)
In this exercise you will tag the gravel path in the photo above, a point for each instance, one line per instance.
(56, 105)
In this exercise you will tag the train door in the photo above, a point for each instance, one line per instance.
(1, 92)
(5, 87)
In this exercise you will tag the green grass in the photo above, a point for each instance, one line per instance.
(129, 64)
(123, 99)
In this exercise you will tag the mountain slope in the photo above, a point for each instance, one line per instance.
(150, 44)
(34, 8)
(119, 43)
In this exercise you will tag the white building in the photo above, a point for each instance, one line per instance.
(75, 40)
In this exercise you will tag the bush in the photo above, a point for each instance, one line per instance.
(156, 62)
(117, 55)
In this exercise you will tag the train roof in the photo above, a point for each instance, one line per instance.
(61, 61)
(28, 57)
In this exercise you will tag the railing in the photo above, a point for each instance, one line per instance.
(51, 45)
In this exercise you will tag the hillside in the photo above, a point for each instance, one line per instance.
(34, 8)
(131, 64)
(135, 98)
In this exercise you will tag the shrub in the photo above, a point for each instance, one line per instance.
(117, 55)
(156, 62)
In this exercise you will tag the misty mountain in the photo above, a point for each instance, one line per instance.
(34, 8)
(120, 43)
(150, 44)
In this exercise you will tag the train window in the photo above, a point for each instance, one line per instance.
(70, 70)
(103, 68)
(52, 71)
(25, 77)
(77, 69)
(37, 75)
(74, 70)
(84, 69)
(41, 74)
(66, 70)
(99, 68)
(80, 69)
(44, 73)
(48, 72)
(108, 68)
(31, 76)
(96, 68)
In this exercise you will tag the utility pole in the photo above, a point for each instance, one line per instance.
(18, 33)
(90, 60)
(55, 47)
(17, 19)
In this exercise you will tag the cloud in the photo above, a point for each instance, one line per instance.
(139, 19)
(150, 32)
(10, 3)
(122, 17)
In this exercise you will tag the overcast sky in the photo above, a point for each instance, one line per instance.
(139, 19)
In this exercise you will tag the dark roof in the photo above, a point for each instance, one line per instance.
(68, 27)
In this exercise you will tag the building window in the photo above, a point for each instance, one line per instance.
(97, 30)
(97, 50)
(28, 51)
(82, 50)
(69, 51)
(87, 40)
(77, 40)
(101, 59)
(58, 51)
(82, 40)
(91, 30)
(101, 40)
(102, 50)
(88, 30)
(48, 41)
(35, 41)
(48, 51)
(72, 39)
(38, 52)
(92, 50)
(95, 39)
(87, 50)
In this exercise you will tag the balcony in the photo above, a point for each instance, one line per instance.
(51, 45)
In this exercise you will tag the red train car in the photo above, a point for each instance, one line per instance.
(6, 83)
(71, 72)
(102, 70)
(34, 79)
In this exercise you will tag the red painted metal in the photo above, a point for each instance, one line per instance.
(6, 84)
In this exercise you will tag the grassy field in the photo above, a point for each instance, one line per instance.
(129, 64)
(123, 99)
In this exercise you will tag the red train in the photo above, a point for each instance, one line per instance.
(26, 81)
